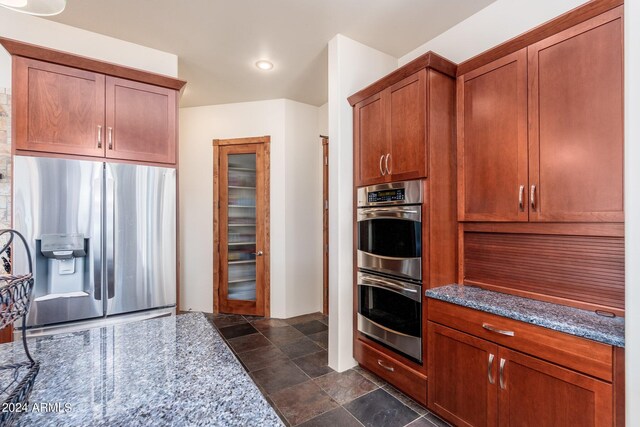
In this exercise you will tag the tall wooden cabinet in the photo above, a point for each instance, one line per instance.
(404, 128)
(540, 134)
(70, 105)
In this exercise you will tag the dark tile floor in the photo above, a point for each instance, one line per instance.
(287, 359)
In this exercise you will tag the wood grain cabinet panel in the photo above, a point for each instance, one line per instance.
(462, 377)
(567, 90)
(492, 141)
(141, 121)
(535, 392)
(575, 118)
(406, 123)
(57, 109)
(370, 140)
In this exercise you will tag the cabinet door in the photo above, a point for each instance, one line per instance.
(371, 146)
(492, 141)
(537, 393)
(406, 127)
(141, 121)
(462, 377)
(57, 109)
(576, 129)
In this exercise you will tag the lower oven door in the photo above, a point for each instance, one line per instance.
(390, 311)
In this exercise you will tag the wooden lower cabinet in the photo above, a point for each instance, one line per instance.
(474, 382)
(410, 381)
(535, 392)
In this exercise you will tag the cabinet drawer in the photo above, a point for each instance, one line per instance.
(410, 382)
(589, 357)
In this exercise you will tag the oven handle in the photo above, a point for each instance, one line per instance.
(408, 214)
(388, 209)
(399, 289)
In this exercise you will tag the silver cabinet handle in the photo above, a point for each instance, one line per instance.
(533, 197)
(259, 253)
(110, 137)
(380, 165)
(502, 382)
(521, 198)
(99, 136)
(387, 367)
(492, 379)
(491, 328)
(386, 163)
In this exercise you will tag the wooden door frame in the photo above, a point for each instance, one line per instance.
(325, 224)
(217, 143)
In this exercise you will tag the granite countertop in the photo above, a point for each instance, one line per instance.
(581, 323)
(171, 371)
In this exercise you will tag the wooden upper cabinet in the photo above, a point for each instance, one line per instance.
(140, 121)
(568, 166)
(390, 132)
(72, 105)
(406, 128)
(371, 145)
(575, 122)
(492, 141)
(57, 109)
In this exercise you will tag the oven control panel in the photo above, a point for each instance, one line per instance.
(394, 195)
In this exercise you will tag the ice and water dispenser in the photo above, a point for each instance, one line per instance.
(62, 265)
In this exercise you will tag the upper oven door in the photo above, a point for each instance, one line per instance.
(390, 240)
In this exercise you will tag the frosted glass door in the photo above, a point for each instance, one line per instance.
(242, 229)
(241, 246)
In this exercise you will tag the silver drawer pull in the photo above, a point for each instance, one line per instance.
(387, 367)
(492, 379)
(380, 166)
(99, 136)
(488, 327)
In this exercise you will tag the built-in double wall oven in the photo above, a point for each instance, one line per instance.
(389, 261)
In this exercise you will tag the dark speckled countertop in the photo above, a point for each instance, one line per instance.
(171, 371)
(581, 323)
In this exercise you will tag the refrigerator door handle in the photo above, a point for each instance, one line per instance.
(109, 230)
(96, 233)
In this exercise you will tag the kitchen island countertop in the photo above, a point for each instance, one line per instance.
(570, 320)
(171, 371)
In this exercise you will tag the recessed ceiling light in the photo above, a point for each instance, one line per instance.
(264, 64)
(35, 7)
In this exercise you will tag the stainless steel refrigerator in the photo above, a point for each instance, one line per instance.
(102, 236)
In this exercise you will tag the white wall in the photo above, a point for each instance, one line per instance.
(58, 36)
(495, 24)
(198, 127)
(296, 194)
(303, 186)
(632, 207)
(323, 119)
(352, 66)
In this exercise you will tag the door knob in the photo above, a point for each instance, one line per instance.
(259, 253)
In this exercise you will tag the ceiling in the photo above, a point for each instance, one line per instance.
(219, 41)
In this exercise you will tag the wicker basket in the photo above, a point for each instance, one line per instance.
(16, 379)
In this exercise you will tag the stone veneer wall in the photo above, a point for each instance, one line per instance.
(5, 158)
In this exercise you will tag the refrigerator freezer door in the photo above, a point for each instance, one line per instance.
(62, 198)
(140, 237)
